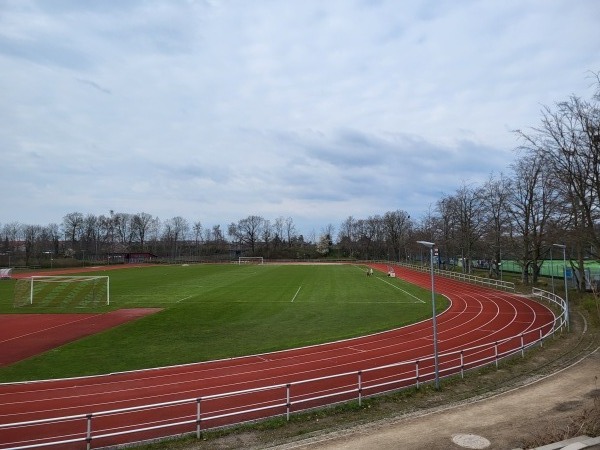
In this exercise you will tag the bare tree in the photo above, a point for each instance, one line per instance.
(290, 230)
(347, 236)
(90, 234)
(72, 225)
(569, 140)
(123, 227)
(446, 227)
(31, 233)
(53, 233)
(278, 229)
(267, 235)
(175, 230)
(494, 200)
(532, 205)
(397, 226)
(11, 233)
(140, 225)
(247, 231)
(197, 229)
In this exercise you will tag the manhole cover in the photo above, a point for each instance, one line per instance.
(470, 441)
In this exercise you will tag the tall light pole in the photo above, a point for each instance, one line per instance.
(430, 245)
(500, 264)
(552, 269)
(564, 249)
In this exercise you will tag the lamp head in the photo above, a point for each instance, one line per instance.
(426, 244)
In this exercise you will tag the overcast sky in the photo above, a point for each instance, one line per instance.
(316, 110)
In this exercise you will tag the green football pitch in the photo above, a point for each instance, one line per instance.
(220, 311)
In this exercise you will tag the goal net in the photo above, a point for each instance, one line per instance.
(250, 260)
(62, 291)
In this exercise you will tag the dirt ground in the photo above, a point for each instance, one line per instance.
(502, 420)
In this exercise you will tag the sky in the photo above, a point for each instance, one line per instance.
(216, 110)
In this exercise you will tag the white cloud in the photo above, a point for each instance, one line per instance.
(314, 110)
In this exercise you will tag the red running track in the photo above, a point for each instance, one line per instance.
(477, 316)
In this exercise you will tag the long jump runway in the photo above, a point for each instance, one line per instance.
(476, 316)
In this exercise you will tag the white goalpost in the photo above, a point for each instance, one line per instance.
(65, 291)
(251, 260)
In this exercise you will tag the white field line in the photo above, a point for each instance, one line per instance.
(184, 298)
(296, 294)
(360, 268)
(400, 289)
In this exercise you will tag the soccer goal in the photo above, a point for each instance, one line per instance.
(62, 291)
(251, 260)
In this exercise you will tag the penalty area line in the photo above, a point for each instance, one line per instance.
(296, 294)
(400, 289)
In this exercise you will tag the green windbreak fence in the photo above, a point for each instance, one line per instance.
(551, 267)
(556, 269)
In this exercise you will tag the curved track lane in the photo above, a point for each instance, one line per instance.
(476, 316)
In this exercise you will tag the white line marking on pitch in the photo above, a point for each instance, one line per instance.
(185, 298)
(296, 294)
(400, 289)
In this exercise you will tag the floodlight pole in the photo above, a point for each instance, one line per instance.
(564, 249)
(500, 264)
(430, 245)
(552, 269)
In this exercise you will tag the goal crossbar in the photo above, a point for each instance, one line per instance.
(66, 278)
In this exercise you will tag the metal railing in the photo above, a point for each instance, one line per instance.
(194, 415)
(555, 300)
(467, 278)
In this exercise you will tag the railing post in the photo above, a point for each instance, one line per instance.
(522, 346)
(496, 353)
(88, 437)
(417, 372)
(198, 428)
(541, 340)
(359, 388)
(287, 401)
(462, 364)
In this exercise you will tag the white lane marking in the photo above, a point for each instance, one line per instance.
(296, 294)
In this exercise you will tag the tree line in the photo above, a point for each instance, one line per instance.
(549, 200)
